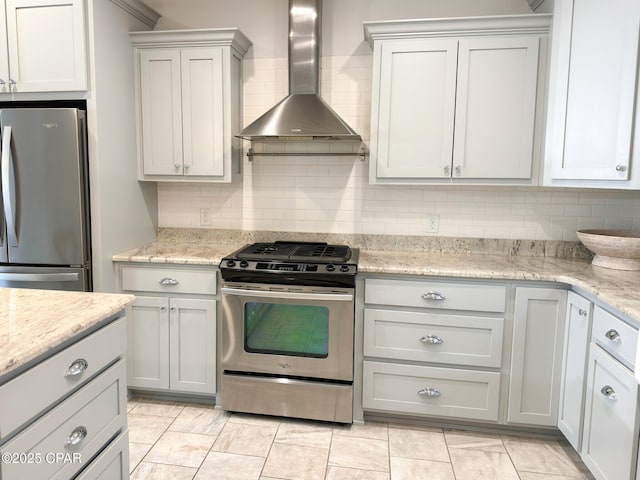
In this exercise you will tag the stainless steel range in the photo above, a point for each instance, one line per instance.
(287, 330)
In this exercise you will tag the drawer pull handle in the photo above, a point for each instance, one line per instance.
(78, 434)
(433, 296)
(76, 368)
(169, 281)
(609, 392)
(432, 340)
(614, 336)
(429, 392)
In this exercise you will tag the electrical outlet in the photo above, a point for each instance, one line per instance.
(433, 223)
(205, 220)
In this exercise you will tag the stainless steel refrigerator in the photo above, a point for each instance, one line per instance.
(44, 227)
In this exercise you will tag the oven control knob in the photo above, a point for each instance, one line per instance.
(244, 264)
(330, 267)
(344, 268)
(231, 263)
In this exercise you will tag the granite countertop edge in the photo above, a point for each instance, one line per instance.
(36, 324)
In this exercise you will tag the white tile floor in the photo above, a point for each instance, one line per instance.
(183, 441)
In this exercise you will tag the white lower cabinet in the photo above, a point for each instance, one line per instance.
(171, 328)
(433, 348)
(536, 358)
(574, 367)
(610, 437)
(77, 418)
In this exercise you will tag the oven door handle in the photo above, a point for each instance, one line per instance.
(333, 297)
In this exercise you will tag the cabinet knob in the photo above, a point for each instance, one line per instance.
(168, 281)
(186, 167)
(429, 392)
(78, 434)
(76, 368)
(458, 170)
(432, 339)
(582, 313)
(447, 171)
(609, 392)
(2, 82)
(177, 167)
(163, 309)
(621, 168)
(433, 296)
(12, 82)
(614, 336)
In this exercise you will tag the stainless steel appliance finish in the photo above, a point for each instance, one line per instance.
(44, 235)
(303, 114)
(288, 330)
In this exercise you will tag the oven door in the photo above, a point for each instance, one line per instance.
(288, 331)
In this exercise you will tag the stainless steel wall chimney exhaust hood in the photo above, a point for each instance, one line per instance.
(302, 115)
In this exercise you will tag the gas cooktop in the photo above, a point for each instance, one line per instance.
(292, 263)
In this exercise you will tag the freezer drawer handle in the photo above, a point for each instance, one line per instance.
(169, 281)
(77, 368)
(8, 189)
(614, 336)
(432, 339)
(78, 434)
(609, 392)
(40, 277)
(429, 392)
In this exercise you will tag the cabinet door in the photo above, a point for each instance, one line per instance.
(610, 441)
(4, 55)
(413, 109)
(593, 90)
(574, 365)
(202, 111)
(495, 107)
(193, 345)
(161, 111)
(148, 343)
(46, 45)
(536, 357)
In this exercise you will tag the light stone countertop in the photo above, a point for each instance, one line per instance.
(617, 288)
(35, 323)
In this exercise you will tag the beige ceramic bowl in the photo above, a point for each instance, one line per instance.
(619, 249)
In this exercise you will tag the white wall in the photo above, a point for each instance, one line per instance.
(314, 194)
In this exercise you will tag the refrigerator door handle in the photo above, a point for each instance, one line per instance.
(8, 187)
(40, 277)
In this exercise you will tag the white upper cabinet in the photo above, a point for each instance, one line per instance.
(189, 88)
(455, 100)
(590, 139)
(42, 46)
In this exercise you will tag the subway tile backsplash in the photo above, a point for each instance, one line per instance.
(333, 195)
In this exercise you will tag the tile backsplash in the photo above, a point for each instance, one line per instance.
(333, 194)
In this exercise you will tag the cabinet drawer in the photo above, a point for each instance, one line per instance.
(98, 410)
(432, 337)
(445, 392)
(112, 463)
(432, 294)
(615, 336)
(53, 379)
(169, 280)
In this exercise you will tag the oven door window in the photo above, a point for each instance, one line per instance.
(286, 329)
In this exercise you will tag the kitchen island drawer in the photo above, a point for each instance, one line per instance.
(111, 464)
(615, 336)
(434, 391)
(66, 439)
(433, 337)
(56, 377)
(169, 279)
(436, 294)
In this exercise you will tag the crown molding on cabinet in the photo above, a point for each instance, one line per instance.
(139, 10)
(438, 27)
(232, 37)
